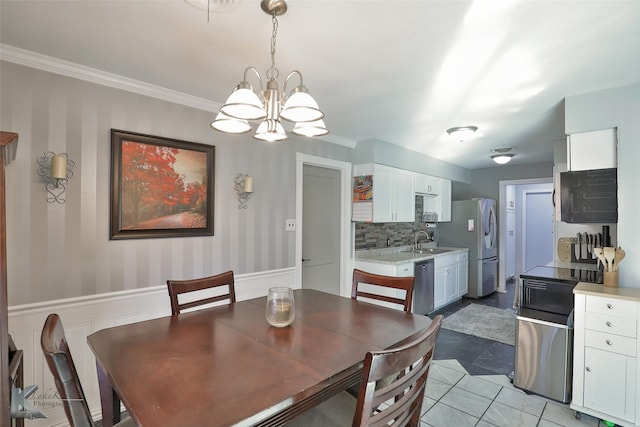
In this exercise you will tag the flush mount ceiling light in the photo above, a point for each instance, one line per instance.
(462, 133)
(270, 105)
(503, 155)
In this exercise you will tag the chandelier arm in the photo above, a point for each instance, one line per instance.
(256, 73)
(296, 72)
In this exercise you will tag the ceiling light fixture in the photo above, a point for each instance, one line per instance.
(503, 155)
(462, 133)
(271, 105)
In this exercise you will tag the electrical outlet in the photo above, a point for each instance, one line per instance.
(290, 225)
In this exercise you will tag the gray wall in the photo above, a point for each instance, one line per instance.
(62, 251)
(618, 107)
(485, 182)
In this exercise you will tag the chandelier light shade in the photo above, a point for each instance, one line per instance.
(462, 133)
(270, 106)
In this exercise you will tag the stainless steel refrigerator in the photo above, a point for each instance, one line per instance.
(474, 225)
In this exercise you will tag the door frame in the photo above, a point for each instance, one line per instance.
(345, 169)
(523, 249)
(502, 223)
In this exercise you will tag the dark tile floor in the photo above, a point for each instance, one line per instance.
(479, 356)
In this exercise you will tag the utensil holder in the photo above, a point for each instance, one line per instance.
(611, 279)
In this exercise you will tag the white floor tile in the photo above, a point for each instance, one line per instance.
(445, 374)
(436, 389)
(451, 364)
(506, 416)
(565, 416)
(479, 386)
(466, 401)
(531, 404)
(442, 415)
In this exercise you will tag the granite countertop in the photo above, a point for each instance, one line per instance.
(402, 254)
(585, 288)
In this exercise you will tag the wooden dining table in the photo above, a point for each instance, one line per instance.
(226, 366)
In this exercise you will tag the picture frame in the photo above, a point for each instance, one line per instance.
(160, 187)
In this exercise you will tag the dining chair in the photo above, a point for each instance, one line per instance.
(179, 287)
(379, 281)
(56, 352)
(398, 402)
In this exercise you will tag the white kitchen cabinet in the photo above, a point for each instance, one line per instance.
(393, 196)
(462, 265)
(592, 150)
(426, 184)
(606, 345)
(440, 204)
(445, 280)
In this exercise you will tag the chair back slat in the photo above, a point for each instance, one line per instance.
(404, 370)
(404, 284)
(179, 287)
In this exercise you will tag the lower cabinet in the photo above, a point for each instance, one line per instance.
(463, 274)
(451, 278)
(399, 270)
(605, 365)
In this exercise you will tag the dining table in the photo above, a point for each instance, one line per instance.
(227, 366)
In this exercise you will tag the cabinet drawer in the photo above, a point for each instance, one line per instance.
(611, 324)
(608, 342)
(617, 307)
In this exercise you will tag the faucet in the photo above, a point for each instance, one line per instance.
(415, 239)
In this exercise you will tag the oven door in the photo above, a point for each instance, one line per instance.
(546, 295)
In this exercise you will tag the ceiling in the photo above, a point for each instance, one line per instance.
(397, 71)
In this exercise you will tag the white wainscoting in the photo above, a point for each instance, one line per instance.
(85, 315)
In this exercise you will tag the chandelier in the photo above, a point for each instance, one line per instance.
(271, 105)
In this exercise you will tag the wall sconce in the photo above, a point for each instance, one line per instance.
(244, 188)
(55, 170)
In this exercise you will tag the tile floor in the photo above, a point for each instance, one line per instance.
(454, 397)
(469, 383)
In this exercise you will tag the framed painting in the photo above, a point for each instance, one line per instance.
(160, 187)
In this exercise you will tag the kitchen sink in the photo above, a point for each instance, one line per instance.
(430, 251)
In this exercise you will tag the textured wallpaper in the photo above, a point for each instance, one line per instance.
(63, 251)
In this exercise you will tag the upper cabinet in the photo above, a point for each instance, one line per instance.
(383, 194)
(438, 201)
(592, 150)
(426, 184)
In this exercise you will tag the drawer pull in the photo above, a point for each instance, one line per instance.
(588, 369)
(609, 306)
(609, 324)
(609, 342)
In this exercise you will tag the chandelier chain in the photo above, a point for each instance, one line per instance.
(272, 72)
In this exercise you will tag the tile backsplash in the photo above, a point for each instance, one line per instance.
(375, 236)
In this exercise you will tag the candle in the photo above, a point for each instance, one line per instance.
(248, 184)
(59, 167)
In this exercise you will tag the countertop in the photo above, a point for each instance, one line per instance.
(585, 288)
(575, 265)
(401, 255)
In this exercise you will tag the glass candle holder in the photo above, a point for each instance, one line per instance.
(280, 307)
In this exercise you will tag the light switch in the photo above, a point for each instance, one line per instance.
(471, 226)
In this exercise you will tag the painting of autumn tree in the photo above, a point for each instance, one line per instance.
(162, 186)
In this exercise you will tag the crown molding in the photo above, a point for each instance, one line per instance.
(58, 66)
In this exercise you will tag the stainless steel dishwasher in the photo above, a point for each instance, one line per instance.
(423, 287)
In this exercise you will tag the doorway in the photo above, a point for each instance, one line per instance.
(323, 232)
(514, 237)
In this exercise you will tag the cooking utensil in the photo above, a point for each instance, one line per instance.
(585, 246)
(576, 248)
(564, 248)
(590, 249)
(619, 257)
(609, 255)
(600, 255)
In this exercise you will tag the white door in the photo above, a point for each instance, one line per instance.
(321, 230)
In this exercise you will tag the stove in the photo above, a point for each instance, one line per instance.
(563, 274)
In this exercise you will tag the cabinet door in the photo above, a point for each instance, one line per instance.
(593, 150)
(403, 196)
(382, 190)
(609, 383)
(451, 284)
(439, 284)
(589, 196)
(444, 199)
(463, 277)
(426, 184)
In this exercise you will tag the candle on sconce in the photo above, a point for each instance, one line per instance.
(248, 184)
(59, 167)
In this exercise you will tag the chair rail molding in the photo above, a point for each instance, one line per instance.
(82, 316)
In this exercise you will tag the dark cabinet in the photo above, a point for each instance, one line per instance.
(589, 196)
